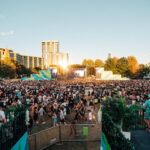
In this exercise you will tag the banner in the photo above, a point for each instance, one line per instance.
(104, 143)
(22, 144)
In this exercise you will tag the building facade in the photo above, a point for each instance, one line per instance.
(27, 61)
(51, 54)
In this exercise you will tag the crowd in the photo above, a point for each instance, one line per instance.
(58, 99)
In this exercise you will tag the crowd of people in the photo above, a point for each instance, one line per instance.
(58, 99)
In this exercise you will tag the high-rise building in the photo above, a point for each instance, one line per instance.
(51, 54)
(27, 61)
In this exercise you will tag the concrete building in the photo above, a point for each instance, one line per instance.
(27, 61)
(52, 55)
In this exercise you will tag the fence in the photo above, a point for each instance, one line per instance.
(141, 121)
(115, 138)
(65, 133)
(12, 131)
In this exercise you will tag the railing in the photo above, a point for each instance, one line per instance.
(115, 138)
(11, 131)
(141, 125)
(65, 133)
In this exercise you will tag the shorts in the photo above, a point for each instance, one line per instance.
(62, 120)
(147, 115)
(55, 120)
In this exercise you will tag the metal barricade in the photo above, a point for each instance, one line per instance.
(65, 133)
(12, 131)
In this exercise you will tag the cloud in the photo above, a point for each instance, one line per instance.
(2, 16)
(11, 32)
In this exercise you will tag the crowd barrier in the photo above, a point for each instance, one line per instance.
(64, 133)
(12, 131)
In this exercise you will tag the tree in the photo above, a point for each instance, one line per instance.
(125, 116)
(11, 68)
(37, 69)
(132, 64)
(6, 71)
(76, 66)
(84, 62)
(99, 63)
(91, 71)
(90, 62)
(110, 65)
(115, 59)
(122, 66)
(142, 71)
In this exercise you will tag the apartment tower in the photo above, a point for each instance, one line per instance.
(51, 54)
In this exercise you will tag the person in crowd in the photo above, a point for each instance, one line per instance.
(35, 115)
(2, 116)
(90, 117)
(62, 117)
(41, 114)
(64, 99)
(73, 128)
(147, 113)
(55, 119)
(30, 126)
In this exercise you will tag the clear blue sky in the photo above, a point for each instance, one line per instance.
(85, 28)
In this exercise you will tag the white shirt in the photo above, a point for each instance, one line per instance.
(90, 116)
(2, 115)
(61, 115)
(64, 104)
(41, 111)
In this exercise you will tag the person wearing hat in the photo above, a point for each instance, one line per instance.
(147, 112)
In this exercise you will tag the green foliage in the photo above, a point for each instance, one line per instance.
(6, 71)
(91, 71)
(110, 65)
(84, 63)
(88, 62)
(132, 64)
(127, 67)
(127, 116)
(115, 138)
(114, 108)
(142, 71)
(99, 63)
(122, 66)
(130, 117)
(37, 69)
(12, 69)
(76, 66)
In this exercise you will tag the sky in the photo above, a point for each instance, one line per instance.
(85, 28)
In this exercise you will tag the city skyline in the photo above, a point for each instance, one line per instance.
(85, 29)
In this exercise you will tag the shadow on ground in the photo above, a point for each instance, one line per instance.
(76, 146)
(141, 139)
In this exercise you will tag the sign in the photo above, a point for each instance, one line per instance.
(85, 131)
(22, 144)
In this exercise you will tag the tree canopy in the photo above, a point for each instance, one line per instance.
(110, 65)
(10, 68)
(122, 66)
(99, 63)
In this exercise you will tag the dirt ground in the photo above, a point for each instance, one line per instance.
(49, 123)
(76, 146)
